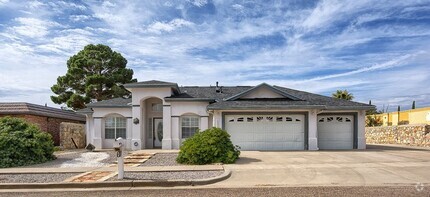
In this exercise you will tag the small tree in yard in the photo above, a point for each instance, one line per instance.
(22, 143)
(96, 73)
(210, 146)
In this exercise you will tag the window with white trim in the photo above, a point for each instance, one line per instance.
(189, 125)
(115, 127)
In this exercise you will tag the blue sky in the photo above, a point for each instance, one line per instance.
(378, 50)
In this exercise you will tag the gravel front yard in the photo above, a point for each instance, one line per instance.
(35, 178)
(80, 158)
(187, 175)
(162, 159)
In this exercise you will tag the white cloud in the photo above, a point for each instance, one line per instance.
(384, 65)
(78, 18)
(3, 2)
(33, 27)
(174, 24)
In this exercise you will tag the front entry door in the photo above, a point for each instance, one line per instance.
(158, 132)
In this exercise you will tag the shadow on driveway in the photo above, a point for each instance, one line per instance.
(247, 160)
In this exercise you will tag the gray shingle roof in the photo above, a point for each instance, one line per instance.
(116, 102)
(15, 108)
(209, 92)
(151, 83)
(307, 100)
(218, 99)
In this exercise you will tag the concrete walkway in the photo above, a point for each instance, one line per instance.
(376, 166)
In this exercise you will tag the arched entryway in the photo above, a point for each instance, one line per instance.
(152, 110)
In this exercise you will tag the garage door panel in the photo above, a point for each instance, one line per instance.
(266, 132)
(335, 131)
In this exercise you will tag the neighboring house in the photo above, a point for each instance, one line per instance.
(411, 116)
(263, 117)
(47, 118)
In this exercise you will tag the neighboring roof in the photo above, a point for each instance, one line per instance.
(234, 97)
(228, 98)
(152, 84)
(111, 103)
(15, 108)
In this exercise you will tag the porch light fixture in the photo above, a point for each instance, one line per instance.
(136, 120)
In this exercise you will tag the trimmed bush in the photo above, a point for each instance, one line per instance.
(210, 146)
(22, 143)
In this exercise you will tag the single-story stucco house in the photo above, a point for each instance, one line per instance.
(263, 117)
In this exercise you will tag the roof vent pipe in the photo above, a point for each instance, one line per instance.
(217, 89)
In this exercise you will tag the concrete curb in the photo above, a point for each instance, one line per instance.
(125, 183)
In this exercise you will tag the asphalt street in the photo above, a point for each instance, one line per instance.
(260, 191)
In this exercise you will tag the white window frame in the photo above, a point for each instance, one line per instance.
(115, 127)
(181, 126)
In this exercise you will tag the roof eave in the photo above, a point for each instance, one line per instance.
(268, 107)
(350, 107)
(110, 106)
(190, 99)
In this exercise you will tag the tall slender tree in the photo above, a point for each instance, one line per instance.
(343, 94)
(413, 105)
(96, 72)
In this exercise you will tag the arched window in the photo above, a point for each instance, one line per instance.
(189, 125)
(115, 127)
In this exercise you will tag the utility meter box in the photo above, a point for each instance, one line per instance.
(118, 144)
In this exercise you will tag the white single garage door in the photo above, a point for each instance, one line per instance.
(267, 132)
(335, 131)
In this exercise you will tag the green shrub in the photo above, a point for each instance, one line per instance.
(210, 146)
(23, 144)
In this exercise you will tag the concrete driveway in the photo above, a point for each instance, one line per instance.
(376, 166)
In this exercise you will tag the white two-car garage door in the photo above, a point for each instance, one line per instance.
(335, 131)
(267, 132)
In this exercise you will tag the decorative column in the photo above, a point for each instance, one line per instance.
(361, 144)
(167, 132)
(312, 130)
(89, 132)
(97, 138)
(128, 143)
(136, 129)
(176, 137)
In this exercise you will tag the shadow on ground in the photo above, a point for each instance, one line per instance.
(247, 160)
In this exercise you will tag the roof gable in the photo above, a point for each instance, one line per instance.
(153, 84)
(263, 91)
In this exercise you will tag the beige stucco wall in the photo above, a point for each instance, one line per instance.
(262, 92)
(97, 139)
(187, 108)
(139, 95)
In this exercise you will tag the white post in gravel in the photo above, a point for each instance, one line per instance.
(118, 145)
